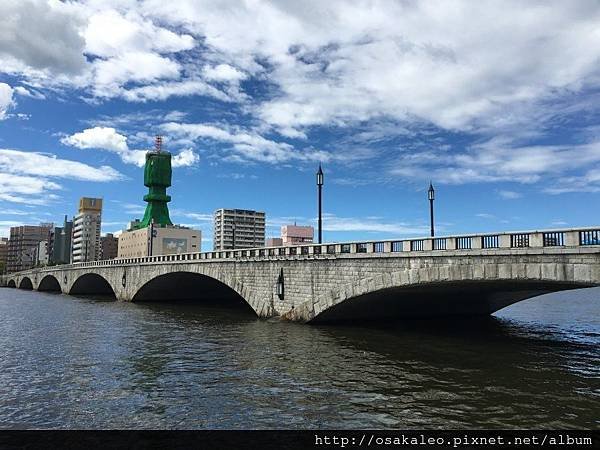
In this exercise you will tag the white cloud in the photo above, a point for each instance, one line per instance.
(107, 138)
(498, 160)
(44, 165)
(200, 217)
(457, 65)
(98, 137)
(110, 34)
(332, 222)
(29, 93)
(134, 67)
(247, 145)
(223, 72)
(185, 158)
(6, 99)
(509, 195)
(454, 64)
(166, 89)
(25, 177)
(586, 182)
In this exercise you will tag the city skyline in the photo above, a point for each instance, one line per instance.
(508, 135)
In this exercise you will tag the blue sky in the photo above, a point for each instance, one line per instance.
(495, 102)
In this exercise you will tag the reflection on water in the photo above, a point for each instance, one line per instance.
(70, 362)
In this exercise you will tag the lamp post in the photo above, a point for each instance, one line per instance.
(280, 285)
(431, 197)
(320, 187)
(233, 237)
(152, 236)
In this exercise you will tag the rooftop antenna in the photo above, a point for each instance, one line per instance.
(158, 143)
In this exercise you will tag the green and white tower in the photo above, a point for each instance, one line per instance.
(155, 234)
(157, 177)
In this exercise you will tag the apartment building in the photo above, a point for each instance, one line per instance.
(86, 231)
(238, 228)
(23, 245)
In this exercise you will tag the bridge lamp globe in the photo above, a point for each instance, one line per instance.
(431, 192)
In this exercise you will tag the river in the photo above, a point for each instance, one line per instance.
(68, 362)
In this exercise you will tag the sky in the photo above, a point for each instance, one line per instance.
(496, 103)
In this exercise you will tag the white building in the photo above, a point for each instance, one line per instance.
(41, 254)
(86, 231)
(238, 228)
(158, 240)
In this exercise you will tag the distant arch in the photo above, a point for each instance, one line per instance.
(11, 284)
(49, 284)
(26, 284)
(92, 284)
(190, 286)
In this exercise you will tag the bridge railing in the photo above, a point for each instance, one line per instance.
(489, 242)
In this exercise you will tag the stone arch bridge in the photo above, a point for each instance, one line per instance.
(456, 275)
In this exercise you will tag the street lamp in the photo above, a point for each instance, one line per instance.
(233, 237)
(431, 197)
(320, 187)
(280, 285)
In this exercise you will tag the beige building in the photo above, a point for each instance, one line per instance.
(294, 234)
(169, 240)
(291, 235)
(274, 242)
(86, 231)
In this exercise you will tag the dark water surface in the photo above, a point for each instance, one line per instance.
(68, 362)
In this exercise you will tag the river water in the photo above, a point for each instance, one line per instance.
(68, 362)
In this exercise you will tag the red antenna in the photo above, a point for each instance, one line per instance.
(158, 143)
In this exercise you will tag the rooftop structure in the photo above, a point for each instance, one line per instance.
(157, 177)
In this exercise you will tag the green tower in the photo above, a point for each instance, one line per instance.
(157, 177)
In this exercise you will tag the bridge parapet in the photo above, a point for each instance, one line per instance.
(501, 243)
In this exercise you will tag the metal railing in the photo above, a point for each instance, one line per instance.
(465, 243)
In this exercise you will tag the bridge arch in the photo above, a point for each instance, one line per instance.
(183, 285)
(92, 284)
(11, 284)
(26, 284)
(382, 298)
(49, 284)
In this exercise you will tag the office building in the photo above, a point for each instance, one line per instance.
(157, 240)
(23, 245)
(86, 231)
(109, 246)
(274, 242)
(294, 234)
(59, 243)
(3, 254)
(238, 228)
